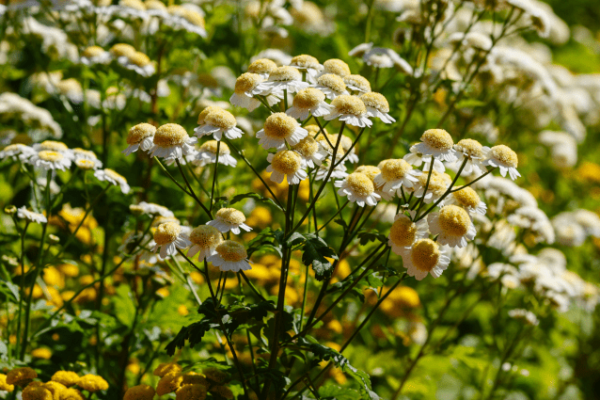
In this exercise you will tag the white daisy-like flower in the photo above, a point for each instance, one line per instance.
(49, 160)
(31, 216)
(120, 51)
(168, 238)
(246, 87)
(475, 154)
(453, 225)
(360, 50)
(95, 55)
(286, 163)
(346, 147)
(339, 171)
(16, 151)
(229, 219)
(404, 233)
(504, 158)
(156, 8)
(371, 172)
(437, 143)
(171, 141)
(144, 208)
(309, 101)
(438, 185)
(113, 177)
(468, 199)
(85, 164)
(310, 150)
(207, 154)
(280, 128)
(357, 83)
(280, 79)
(331, 85)
(426, 257)
(205, 240)
(183, 18)
(140, 136)
(359, 189)
(262, 67)
(380, 57)
(138, 62)
(230, 256)
(219, 123)
(417, 159)
(309, 64)
(396, 174)
(377, 106)
(523, 315)
(351, 110)
(52, 145)
(81, 154)
(337, 67)
(126, 9)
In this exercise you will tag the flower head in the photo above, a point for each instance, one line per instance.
(218, 123)
(5, 386)
(331, 85)
(48, 160)
(171, 141)
(20, 376)
(122, 50)
(310, 64)
(205, 239)
(377, 106)
(17, 150)
(245, 88)
(337, 67)
(404, 232)
(286, 163)
(153, 209)
(311, 151)
(357, 83)
(230, 256)
(35, 392)
(309, 101)
(113, 177)
(92, 383)
(81, 155)
(31, 216)
(184, 18)
(504, 158)
(67, 378)
(280, 128)
(194, 391)
(474, 153)
(453, 226)
(262, 67)
(396, 174)
(437, 143)
(283, 78)
(426, 257)
(95, 55)
(139, 392)
(169, 383)
(138, 62)
(165, 368)
(229, 219)
(359, 188)
(207, 154)
(351, 110)
(169, 237)
(468, 199)
(140, 135)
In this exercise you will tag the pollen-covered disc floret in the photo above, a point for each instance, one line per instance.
(144, 208)
(310, 64)
(246, 87)
(504, 158)
(217, 123)
(262, 67)
(438, 184)
(426, 257)
(31, 216)
(95, 55)
(230, 256)
(122, 50)
(474, 153)
(205, 240)
(138, 62)
(140, 136)
(280, 79)
(58, 147)
(204, 113)
(337, 67)
(309, 101)
(17, 150)
(286, 163)
(310, 150)
(280, 128)
(437, 143)
(49, 160)
(396, 174)
(453, 226)
(404, 232)
(113, 177)
(171, 141)
(377, 106)
(357, 83)
(331, 85)
(359, 189)
(86, 159)
(346, 147)
(183, 18)
(168, 238)
(468, 199)
(207, 154)
(229, 219)
(351, 110)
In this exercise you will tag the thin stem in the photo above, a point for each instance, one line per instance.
(191, 191)
(212, 191)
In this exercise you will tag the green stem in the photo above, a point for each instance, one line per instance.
(212, 191)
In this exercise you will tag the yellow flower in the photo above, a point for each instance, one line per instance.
(21, 376)
(42, 353)
(139, 392)
(222, 391)
(5, 386)
(35, 392)
(182, 310)
(165, 368)
(56, 389)
(215, 375)
(169, 383)
(72, 394)
(92, 383)
(191, 392)
(67, 378)
(260, 216)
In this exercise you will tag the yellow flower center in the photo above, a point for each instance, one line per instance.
(351, 105)
(285, 74)
(167, 233)
(114, 175)
(136, 4)
(202, 116)
(308, 98)
(231, 251)
(287, 162)
(425, 254)
(403, 232)
(306, 147)
(314, 129)
(392, 170)
(93, 51)
(139, 59)
(122, 49)
(206, 236)
(51, 156)
(280, 126)
(470, 147)
(438, 139)
(53, 146)
(85, 163)
(438, 182)
(212, 145)
(369, 170)
(231, 216)
(155, 5)
(222, 119)
(170, 135)
(360, 184)
(333, 82)
(246, 82)
(262, 66)
(467, 197)
(190, 16)
(376, 101)
(505, 155)
(454, 221)
(359, 82)
(337, 67)
(305, 61)
(140, 132)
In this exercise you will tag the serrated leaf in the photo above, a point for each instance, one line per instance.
(315, 251)
(372, 236)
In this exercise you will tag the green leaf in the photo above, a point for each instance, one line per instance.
(331, 391)
(124, 306)
(366, 237)
(315, 250)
